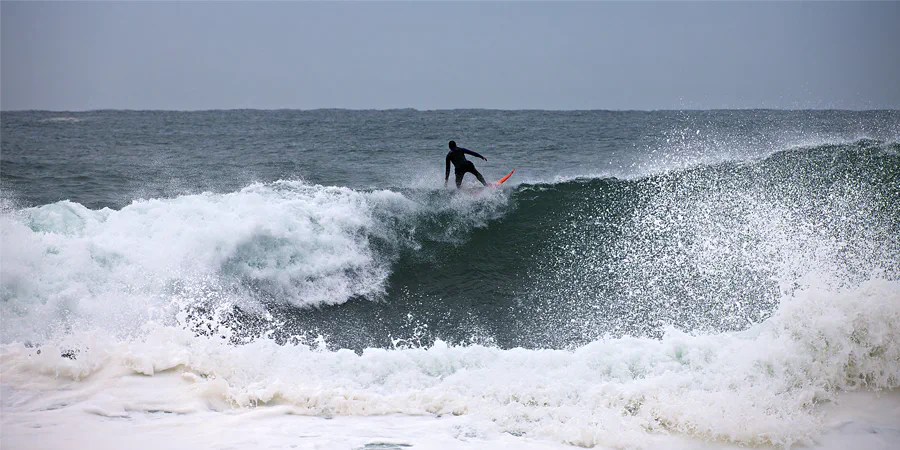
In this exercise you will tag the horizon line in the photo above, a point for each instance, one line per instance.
(434, 109)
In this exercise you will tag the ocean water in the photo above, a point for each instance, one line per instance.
(304, 279)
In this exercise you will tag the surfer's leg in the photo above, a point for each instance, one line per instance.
(478, 175)
(459, 176)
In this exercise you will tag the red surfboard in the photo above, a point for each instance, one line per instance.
(500, 181)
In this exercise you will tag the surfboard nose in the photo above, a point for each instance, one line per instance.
(500, 181)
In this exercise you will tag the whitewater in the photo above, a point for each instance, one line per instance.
(716, 279)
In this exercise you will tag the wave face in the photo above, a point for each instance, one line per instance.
(724, 300)
(709, 249)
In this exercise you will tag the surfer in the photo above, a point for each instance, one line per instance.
(461, 165)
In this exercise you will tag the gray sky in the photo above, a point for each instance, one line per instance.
(429, 55)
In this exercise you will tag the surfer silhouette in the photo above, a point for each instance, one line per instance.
(461, 165)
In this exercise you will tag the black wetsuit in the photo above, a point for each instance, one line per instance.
(461, 165)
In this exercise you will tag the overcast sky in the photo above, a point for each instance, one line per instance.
(429, 55)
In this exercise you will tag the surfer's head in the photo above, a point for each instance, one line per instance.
(452, 145)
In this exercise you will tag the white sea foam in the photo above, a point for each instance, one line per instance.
(765, 385)
(65, 119)
(306, 244)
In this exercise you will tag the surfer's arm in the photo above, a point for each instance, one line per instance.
(470, 152)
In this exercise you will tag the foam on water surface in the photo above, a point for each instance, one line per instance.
(764, 386)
